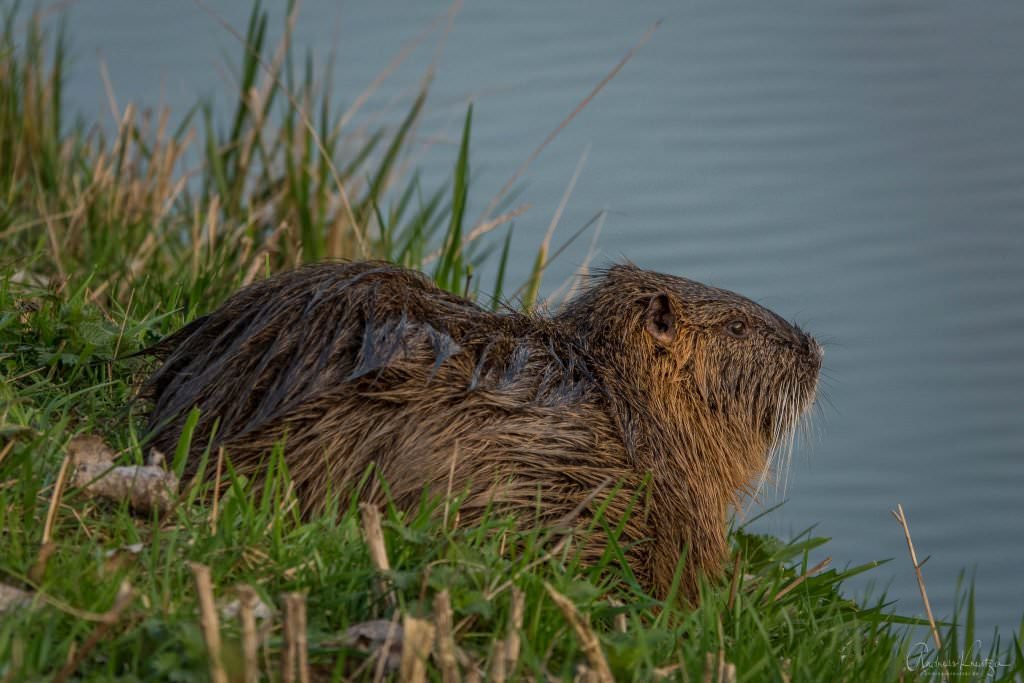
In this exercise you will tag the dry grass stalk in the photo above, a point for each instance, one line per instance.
(803, 577)
(64, 607)
(375, 544)
(545, 245)
(51, 233)
(214, 509)
(445, 641)
(902, 519)
(565, 122)
(108, 89)
(288, 657)
(419, 637)
(729, 673)
(290, 502)
(303, 114)
(506, 652)
(720, 671)
(555, 550)
(562, 526)
(584, 270)
(58, 490)
(259, 259)
(499, 667)
(473, 675)
(38, 570)
(124, 325)
(209, 621)
(250, 642)
(125, 595)
(663, 672)
(383, 653)
(5, 451)
(479, 231)
(709, 667)
(371, 637)
(482, 229)
(296, 644)
(571, 286)
(35, 223)
(515, 625)
(47, 547)
(589, 642)
(396, 61)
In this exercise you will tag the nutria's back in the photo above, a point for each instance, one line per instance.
(641, 375)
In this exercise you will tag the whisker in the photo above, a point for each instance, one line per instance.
(775, 443)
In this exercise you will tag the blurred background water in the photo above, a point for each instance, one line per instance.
(857, 167)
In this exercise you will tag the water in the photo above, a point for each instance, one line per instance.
(859, 168)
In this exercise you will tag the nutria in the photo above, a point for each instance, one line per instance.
(657, 383)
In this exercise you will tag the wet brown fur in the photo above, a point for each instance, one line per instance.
(640, 376)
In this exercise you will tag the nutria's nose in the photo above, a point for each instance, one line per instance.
(806, 346)
(812, 352)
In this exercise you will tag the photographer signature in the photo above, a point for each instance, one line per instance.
(968, 662)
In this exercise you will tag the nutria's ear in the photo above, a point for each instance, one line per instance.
(659, 320)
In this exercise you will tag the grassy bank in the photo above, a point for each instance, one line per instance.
(108, 242)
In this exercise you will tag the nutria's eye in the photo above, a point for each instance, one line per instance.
(738, 329)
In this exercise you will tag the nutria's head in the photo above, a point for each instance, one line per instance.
(698, 374)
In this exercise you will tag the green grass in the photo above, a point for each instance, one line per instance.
(105, 247)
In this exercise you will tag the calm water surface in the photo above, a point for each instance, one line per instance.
(858, 168)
